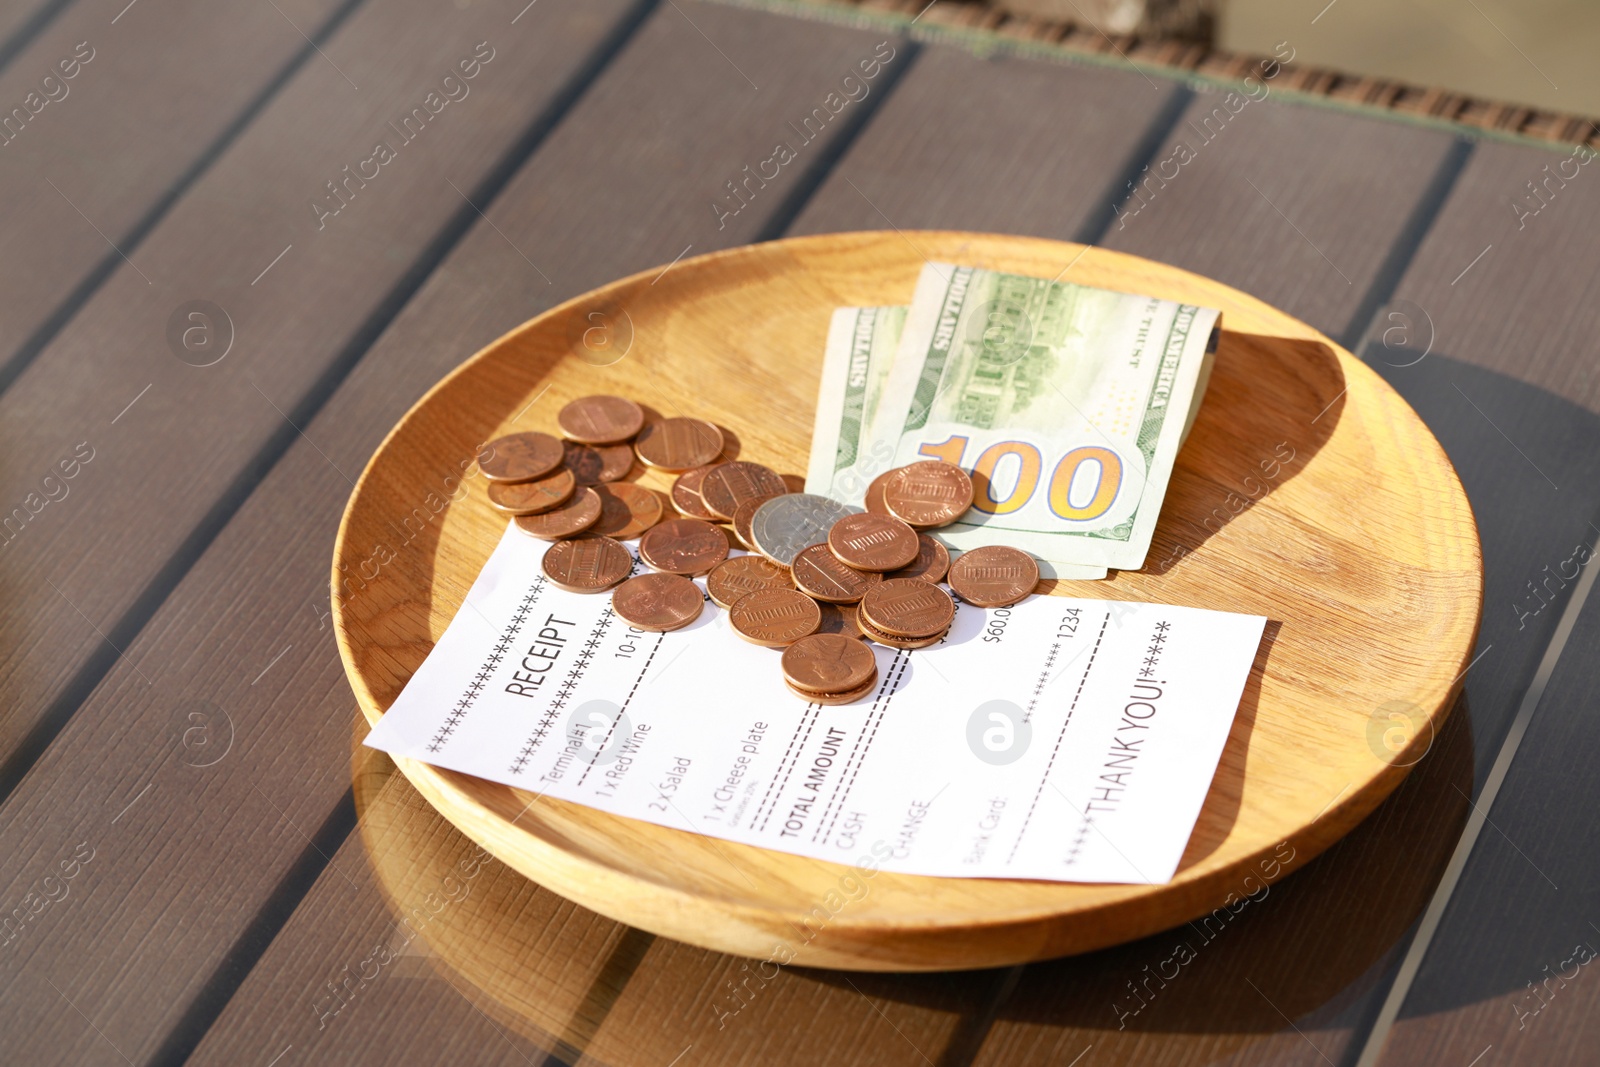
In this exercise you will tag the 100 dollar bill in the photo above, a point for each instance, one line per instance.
(862, 342)
(1067, 404)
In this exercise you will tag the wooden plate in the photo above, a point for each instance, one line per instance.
(1308, 492)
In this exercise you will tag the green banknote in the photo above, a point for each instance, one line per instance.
(861, 347)
(862, 342)
(1066, 404)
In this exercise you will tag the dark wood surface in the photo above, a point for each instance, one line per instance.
(175, 709)
(162, 92)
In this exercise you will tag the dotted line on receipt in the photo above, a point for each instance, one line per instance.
(875, 715)
(624, 709)
(1044, 778)
(807, 721)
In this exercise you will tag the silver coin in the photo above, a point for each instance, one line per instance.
(786, 524)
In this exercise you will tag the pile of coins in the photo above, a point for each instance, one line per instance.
(824, 575)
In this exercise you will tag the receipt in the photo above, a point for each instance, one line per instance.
(1059, 739)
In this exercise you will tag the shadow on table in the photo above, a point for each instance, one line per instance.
(578, 982)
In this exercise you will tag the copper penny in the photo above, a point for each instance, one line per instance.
(931, 565)
(874, 501)
(678, 444)
(928, 494)
(520, 457)
(774, 617)
(847, 697)
(893, 641)
(993, 576)
(587, 564)
(686, 494)
(740, 575)
(626, 510)
(743, 515)
(573, 517)
(828, 663)
(683, 546)
(727, 485)
(658, 602)
(601, 463)
(600, 420)
(908, 608)
(818, 573)
(530, 498)
(838, 619)
(871, 542)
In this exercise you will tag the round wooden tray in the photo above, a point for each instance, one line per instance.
(1308, 492)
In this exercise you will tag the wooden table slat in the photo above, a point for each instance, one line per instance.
(167, 448)
(160, 88)
(1512, 962)
(1265, 200)
(22, 22)
(995, 145)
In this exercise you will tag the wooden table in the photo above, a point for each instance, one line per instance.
(200, 864)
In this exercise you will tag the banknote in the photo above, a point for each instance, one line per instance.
(861, 347)
(1067, 405)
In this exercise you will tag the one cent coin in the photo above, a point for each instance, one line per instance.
(784, 525)
(520, 457)
(892, 640)
(742, 517)
(587, 564)
(626, 510)
(530, 498)
(573, 517)
(818, 573)
(774, 617)
(874, 500)
(931, 565)
(740, 575)
(728, 485)
(686, 494)
(871, 542)
(658, 602)
(928, 494)
(600, 420)
(828, 663)
(993, 576)
(683, 546)
(678, 444)
(907, 608)
(597, 464)
(848, 697)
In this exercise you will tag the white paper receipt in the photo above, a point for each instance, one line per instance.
(1069, 740)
